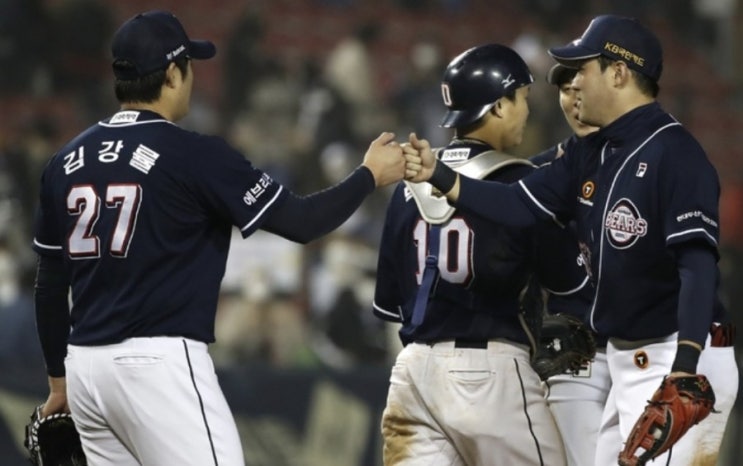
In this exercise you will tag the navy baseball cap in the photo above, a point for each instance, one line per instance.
(560, 74)
(151, 41)
(619, 38)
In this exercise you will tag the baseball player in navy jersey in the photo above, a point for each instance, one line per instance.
(462, 391)
(135, 218)
(576, 399)
(644, 197)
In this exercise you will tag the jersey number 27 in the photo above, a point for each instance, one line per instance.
(84, 202)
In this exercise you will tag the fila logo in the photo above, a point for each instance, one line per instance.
(508, 81)
(641, 169)
(445, 94)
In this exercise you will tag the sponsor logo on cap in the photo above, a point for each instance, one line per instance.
(176, 52)
(624, 53)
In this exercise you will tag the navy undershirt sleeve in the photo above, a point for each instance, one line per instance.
(697, 271)
(501, 203)
(306, 218)
(52, 312)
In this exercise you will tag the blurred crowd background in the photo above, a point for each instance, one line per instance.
(302, 87)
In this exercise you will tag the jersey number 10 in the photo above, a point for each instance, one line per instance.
(454, 254)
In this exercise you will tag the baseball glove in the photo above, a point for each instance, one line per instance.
(565, 345)
(676, 406)
(53, 440)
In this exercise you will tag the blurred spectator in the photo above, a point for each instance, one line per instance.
(25, 40)
(341, 290)
(263, 129)
(246, 64)
(350, 68)
(259, 317)
(323, 121)
(417, 100)
(714, 25)
(22, 157)
(532, 44)
(556, 15)
(21, 362)
(82, 31)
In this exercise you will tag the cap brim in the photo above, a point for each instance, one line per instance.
(560, 74)
(202, 49)
(457, 118)
(570, 54)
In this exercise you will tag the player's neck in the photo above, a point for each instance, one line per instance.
(155, 107)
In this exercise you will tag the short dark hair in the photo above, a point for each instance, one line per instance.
(146, 88)
(646, 84)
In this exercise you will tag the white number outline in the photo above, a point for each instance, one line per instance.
(454, 254)
(84, 202)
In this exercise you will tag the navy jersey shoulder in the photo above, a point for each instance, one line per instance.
(482, 266)
(644, 185)
(134, 200)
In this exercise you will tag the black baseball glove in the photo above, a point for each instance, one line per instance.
(53, 440)
(565, 345)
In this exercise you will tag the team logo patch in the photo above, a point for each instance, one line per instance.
(587, 189)
(641, 359)
(624, 225)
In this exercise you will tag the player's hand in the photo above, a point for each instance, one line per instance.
(56, 402)
(419, 159)
(385, 160)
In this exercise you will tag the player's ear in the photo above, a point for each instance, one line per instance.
(172, 75)
(497, 108)
(621, 72)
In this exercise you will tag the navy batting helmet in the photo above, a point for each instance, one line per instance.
(475, 79)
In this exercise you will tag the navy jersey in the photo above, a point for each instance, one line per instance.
(548, 155)
(142, 212)
(636, 189)
(483, 267)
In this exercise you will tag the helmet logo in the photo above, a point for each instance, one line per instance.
(445, 94)
(508, 81)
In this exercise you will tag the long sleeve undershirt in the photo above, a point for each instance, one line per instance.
(52, 312)
(306, 218)
(697, 270)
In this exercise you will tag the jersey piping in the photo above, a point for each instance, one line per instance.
(693, 230)
(539, 204)
(134, 123)
(569, 292)
(391, 315)
(47, 246)
(263, 210)
(606, 207)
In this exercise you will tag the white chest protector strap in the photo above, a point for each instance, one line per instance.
(432, 204)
